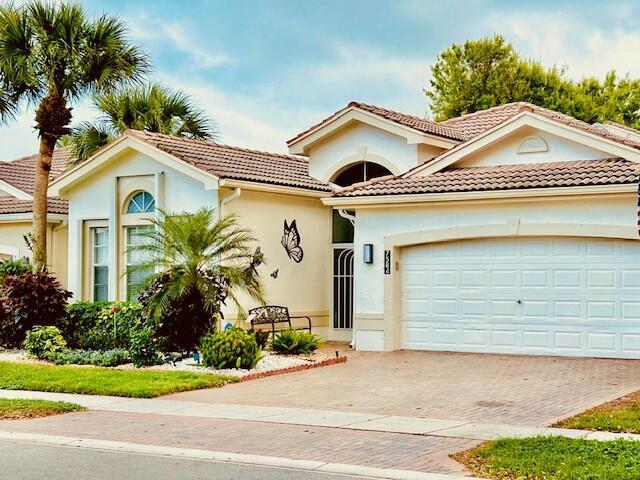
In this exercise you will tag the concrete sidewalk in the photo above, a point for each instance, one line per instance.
(318, 418)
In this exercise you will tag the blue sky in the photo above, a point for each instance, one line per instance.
(267, 69)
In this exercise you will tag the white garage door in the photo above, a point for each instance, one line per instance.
(538, 295)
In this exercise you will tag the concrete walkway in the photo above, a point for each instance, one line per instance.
(318, 418)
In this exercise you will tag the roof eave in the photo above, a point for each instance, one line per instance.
(67, 180)
(522, 194)
(301, 145)
(531, 119)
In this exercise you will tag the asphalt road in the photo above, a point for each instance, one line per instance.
(28, 461)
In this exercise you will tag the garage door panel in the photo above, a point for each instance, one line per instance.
(555, 296)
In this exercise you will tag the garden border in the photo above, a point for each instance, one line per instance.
(297, 368)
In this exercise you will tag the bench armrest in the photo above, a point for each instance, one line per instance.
(308, 320)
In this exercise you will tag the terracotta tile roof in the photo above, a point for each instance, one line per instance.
(473, 124)
(20, 173)
(417, 123)
(13, 205)
(237, 163)
(505, 177)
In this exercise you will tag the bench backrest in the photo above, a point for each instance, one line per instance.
(270, 314)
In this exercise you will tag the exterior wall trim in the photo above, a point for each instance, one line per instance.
(392, 322)
(28, 217)
(265, 187)
(361, 155)
(15, 191)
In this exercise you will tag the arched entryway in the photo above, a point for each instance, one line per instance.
(343, 231)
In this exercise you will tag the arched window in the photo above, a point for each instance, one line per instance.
(360, 172)
(141, 202)
(533, 145)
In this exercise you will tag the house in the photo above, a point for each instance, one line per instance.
(509, 230)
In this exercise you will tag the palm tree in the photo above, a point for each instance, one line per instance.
(51, 55)
(151, 107)
(200, 260)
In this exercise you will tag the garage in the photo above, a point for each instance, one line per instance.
(531, 295)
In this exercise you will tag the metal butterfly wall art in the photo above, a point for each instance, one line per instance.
(291, 241)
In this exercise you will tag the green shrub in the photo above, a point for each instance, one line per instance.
(112, 327)
(80, 318)
(295, 342)
(44, 342)
(13, 267)
(142, 347)
(30, 299)
(107, 358)
(231, 348)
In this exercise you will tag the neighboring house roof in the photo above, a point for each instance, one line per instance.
(473, 124)
(611, 171)
(20, 173)
(225, 161)
(420, 124)
(10, 205)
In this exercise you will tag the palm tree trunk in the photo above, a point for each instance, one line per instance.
(40, 187)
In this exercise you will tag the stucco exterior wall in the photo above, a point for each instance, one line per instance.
(505, 152)
(12, 245)
(302, 287)
(102, 197)
(359, 142)
(378, 225)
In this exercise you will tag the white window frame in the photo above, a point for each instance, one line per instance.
(94, 264)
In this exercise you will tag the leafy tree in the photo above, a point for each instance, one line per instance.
(51, 55)
(151, 107)
(201, 261)
(484, 73)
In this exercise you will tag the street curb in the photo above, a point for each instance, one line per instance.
(227, 457)
(297, 368)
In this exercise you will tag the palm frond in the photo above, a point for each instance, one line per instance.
(191, 250)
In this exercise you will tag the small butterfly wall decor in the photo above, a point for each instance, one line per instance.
(274, 274)
(291, 241)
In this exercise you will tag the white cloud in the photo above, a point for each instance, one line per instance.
(367, 74)
(151, 29)
(186, 43)
(569, 40)
(243, 121)
(18, 138)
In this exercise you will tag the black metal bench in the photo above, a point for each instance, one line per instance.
(277, 317)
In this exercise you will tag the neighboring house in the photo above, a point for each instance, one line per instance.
(16, 212)
(509, 230)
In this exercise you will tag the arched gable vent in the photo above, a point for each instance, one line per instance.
(533, 145)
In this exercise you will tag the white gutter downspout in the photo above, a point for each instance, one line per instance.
(344, 214)
(228, 199)
(225, 201)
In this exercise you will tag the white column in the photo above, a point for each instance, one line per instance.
(75, 258)
(113, 241)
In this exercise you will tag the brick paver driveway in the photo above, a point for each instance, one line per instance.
(488, 388)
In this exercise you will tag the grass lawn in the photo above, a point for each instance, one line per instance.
(103, 381)
(16, 409)
(554, 458)
(620, 415)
